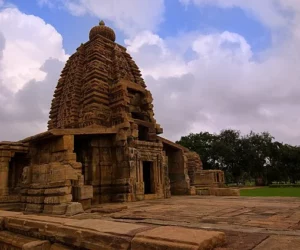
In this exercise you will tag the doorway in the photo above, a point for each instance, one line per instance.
(148, 177)
(16, 165)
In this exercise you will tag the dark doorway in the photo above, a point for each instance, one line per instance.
(16, 165)
(143, 133)
(148, 177)
(83, 155)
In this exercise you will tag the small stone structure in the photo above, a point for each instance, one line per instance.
(102, 143)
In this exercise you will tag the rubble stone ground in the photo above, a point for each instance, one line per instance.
(248, 222)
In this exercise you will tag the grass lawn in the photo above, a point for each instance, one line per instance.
(266, 191)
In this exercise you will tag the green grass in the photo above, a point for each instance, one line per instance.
(266, 191)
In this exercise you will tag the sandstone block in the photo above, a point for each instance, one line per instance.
(35, 199)
(75, 165)
(83, 192)
(55, 209)
(59, 247)
(170, 237)
(9, 240)
(35, 208)
(192, 191)
(58, 199)
(5, 153)
(69, 156)
(275, 242)
(35, 191)
(74, 208)
(65, 142)
(58, 191)
(23, 199)
(86, 204)
(224, 192)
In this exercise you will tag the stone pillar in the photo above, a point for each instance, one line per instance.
(4, 167)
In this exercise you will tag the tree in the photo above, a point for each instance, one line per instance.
(246, 158)
(202, 144)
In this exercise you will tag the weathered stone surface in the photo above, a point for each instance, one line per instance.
(58, 199)
(109, 209)
(98, 234)
(74, 208)
(218, 191)
(280, 243)
(224, 192)
(9, 240)
(59, 209)
(83, 192)
(58, 191)
(177, 238)
(56, 246)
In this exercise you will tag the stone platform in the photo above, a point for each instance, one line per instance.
(34, 232)
(187, 221)
(248, 222)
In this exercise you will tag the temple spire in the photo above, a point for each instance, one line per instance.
(103, 31)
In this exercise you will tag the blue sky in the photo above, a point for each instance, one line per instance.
(176, 19)
(209, 64)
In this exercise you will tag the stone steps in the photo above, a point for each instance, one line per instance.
(21, 231)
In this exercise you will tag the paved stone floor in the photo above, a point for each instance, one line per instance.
(249, 223)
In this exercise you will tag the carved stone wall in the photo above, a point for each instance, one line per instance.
(150, 152)
(9, 173)
(194, 164)
(99, 86)
(52, 175)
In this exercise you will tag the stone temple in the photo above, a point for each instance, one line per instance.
(102, 143)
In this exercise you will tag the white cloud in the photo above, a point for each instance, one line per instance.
(27, 74)
(270, 12)
(29, 43)
(222, 86)
(154, 57)
(129, 16)
(218, 85)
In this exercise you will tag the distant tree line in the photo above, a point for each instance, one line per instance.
(246, 158)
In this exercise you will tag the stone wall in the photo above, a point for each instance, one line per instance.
(151, 152)
(178, 172)
(209, 178)
(9, 177)
(51, 176)
(129, 171)
(194, 165)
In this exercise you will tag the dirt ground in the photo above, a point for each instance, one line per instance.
(249, 223)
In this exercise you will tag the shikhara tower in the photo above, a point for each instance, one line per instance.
(101, 86)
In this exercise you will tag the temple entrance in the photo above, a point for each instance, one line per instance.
(148, 177)
(16, 165)
(83, 152)
(178, 176)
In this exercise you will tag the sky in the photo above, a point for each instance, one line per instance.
(210, 64)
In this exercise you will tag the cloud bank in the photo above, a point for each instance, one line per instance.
(200, 81)
(31, 58)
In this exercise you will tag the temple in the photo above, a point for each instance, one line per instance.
(102, 143)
